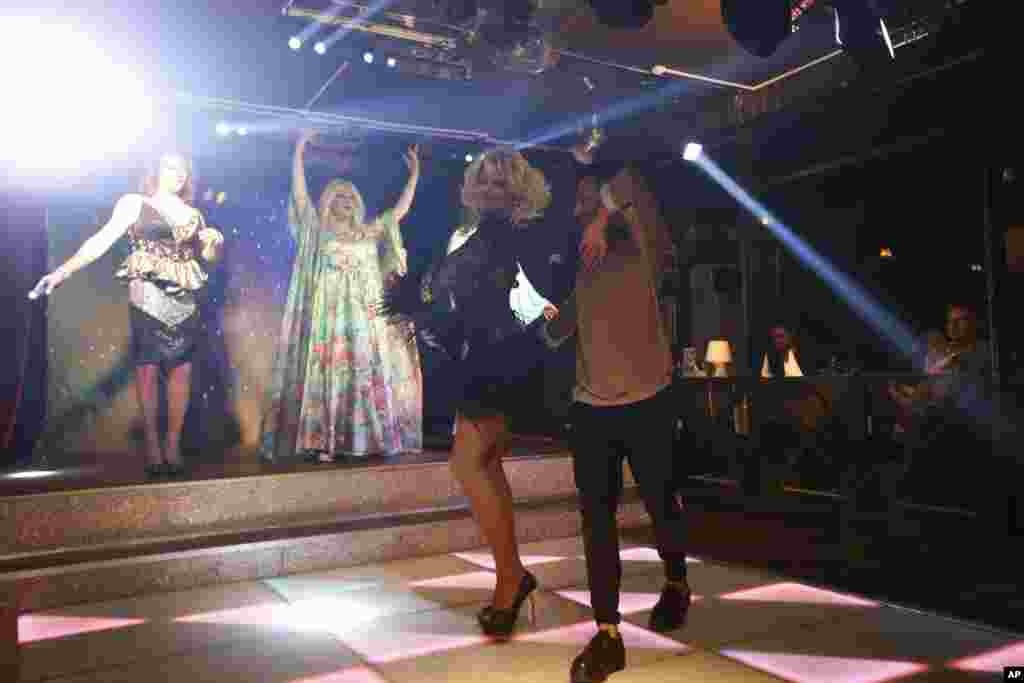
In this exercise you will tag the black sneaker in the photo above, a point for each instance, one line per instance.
(670, 611)
(603, 656)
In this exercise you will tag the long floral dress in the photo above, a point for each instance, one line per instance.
(344, 381)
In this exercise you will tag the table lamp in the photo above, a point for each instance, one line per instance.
(719, 355)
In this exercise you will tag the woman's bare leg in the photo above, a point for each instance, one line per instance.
(479, 445)
(147, 391)
(179, 388)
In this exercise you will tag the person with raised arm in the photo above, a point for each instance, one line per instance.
(622, 406)
(344, 382)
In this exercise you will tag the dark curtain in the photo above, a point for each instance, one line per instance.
(23, 347)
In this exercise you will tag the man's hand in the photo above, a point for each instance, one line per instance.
(594, 246)
(550, 312)
(942, 365)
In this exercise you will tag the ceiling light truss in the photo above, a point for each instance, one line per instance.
(293, 119)
(376, 28)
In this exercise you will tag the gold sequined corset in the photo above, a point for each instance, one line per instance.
(164, 254)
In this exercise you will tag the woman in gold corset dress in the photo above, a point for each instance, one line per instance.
(172, 253)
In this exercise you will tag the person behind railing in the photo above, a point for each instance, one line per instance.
(789, 424)
(911, 399)
(957, 363)
(948, 407)
(781, 359)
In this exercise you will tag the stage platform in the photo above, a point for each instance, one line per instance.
(412, 621)
(89, 534)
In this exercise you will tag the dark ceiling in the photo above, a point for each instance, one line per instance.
(238, 51)
(229, 60)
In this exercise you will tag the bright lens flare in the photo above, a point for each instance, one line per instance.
(74, 104)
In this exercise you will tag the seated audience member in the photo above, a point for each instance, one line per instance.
(911, 399)
(958, 363)
(782, 358)
(947, 409)
(791, 418)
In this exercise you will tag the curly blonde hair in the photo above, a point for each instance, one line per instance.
(526, 191)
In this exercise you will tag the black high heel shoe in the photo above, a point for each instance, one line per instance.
(500, 623)
(174, 469)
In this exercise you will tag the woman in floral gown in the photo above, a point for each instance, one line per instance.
(344, 382)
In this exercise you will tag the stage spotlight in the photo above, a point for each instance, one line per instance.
(759, 27)
(221, 196)
(861, 31)
(392, 62)
(37, 131)
(242, 130)
(320, 48)
(368, 57)
(223, 129)
(469, 158)
(692, 151)
(623, 13)
(32, 474)
(295, 42)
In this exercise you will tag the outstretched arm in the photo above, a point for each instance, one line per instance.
(300, 193)
(627, 193)
(126, 212)
(412, 160)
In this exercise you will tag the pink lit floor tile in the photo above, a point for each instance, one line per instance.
(805, 668)
(992, 661)
(486, 560)
(789, 592)
(32, 627)
(629, 603)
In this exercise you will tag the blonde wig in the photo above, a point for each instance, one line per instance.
(327, 196)
(526, 188)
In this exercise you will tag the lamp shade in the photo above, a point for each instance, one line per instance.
(719, 352)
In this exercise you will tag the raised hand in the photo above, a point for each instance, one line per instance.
(412, 159)
(308, 135)
(594, 246)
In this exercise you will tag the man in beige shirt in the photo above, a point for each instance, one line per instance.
(622, 406)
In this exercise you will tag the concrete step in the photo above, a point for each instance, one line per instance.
(39, 524)
(60, 578)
